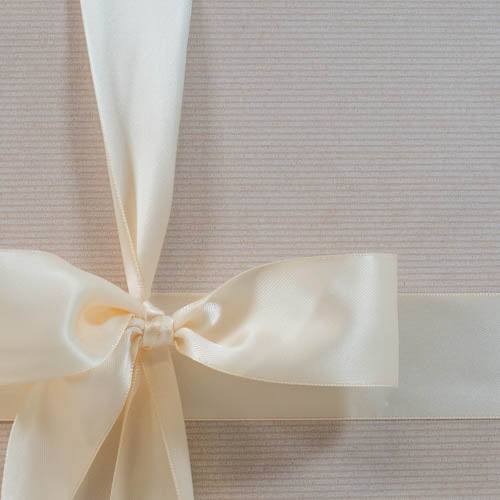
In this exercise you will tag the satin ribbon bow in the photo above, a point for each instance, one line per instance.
(102, 416)
(89, 365)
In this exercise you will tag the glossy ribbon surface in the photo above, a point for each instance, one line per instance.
(102, 392)
(88, 367)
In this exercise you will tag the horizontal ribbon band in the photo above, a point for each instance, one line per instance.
(449, 347)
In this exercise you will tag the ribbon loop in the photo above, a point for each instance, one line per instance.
(327, 320)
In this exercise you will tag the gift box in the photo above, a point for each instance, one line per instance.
(306, 129)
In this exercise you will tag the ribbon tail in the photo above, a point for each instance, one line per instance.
(61, 427)
(160, 372)
(99, 478)
(153, 458)
(11, 399)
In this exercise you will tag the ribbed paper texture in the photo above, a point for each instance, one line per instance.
(308, 127)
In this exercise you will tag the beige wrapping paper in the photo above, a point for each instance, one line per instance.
(448, 283)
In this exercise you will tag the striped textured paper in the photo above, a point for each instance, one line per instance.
(376, 122)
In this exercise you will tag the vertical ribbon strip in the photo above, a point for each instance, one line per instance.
(137, 53)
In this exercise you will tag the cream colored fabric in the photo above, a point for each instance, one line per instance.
(85, 198)
(104, 389)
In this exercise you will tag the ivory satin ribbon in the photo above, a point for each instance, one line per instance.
(88, 367)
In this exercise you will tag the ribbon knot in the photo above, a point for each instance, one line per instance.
(157, 328)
